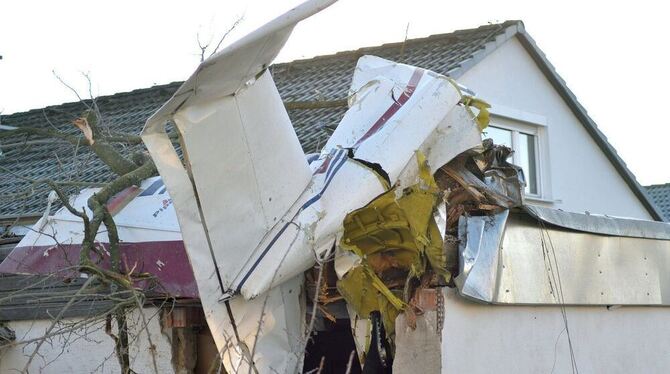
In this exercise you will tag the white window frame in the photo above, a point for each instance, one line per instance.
(518, 121)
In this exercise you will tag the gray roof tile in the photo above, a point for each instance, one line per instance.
(319, 78)
(660, 195)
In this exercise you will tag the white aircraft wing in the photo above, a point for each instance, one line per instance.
(245, 166)
(244, 169)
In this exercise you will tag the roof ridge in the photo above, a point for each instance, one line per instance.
(503, 26)
(98, 98)
(667, 184)
(353, 52)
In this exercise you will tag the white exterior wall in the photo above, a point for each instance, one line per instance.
(479, 338)
(88, 350)
(580, 177)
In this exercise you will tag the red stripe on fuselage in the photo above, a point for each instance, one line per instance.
(167, 261)
(407, 93)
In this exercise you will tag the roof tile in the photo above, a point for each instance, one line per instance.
(316, 79)
(660, 195)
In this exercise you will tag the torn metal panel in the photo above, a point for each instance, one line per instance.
(523, 260)
(480, 236)
(599, 224)
(455, 134)
(487, 182)
(400, 107)
(533, 255)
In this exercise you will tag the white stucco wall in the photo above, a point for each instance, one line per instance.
(88, 350)
(581, 178)
(479, 338)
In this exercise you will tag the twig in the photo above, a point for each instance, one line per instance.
(70, 88)
(152, 346)
(230, 29)
(55, 321)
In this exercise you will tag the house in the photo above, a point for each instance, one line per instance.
(660, 195)
(533, 112)
(541, 120)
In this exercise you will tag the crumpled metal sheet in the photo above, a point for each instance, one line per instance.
(599, 224)
(523, 260)
(480, 238)
(481, 181)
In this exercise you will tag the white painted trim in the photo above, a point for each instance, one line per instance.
(534, 124)
(537, 199)
(518, 115)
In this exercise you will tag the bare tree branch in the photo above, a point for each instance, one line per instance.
(223, 37)
(70, 88)
(205, 47)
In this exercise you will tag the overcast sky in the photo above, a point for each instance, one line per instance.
(612, 54)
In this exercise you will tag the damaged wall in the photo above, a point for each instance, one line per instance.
(581, 177)
(88, 350)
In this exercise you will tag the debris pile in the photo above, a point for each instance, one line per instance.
(396, 243)
(480, 181)
(406, 240)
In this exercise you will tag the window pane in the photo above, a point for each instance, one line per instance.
(499, 136)
(525, 157)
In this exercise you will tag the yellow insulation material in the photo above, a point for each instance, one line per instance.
(483, 116)
(396, 237)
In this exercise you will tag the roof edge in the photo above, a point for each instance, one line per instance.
(478, 56)
(502, 35)
(372, 48)
(667, 184)
(578, 110)
(116, 95)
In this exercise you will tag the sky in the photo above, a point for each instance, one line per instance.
(612, 54)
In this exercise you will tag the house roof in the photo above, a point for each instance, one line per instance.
(314, 91)
(660, 194)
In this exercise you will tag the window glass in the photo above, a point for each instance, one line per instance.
(525, 152)
(499, 136)
(525, 157)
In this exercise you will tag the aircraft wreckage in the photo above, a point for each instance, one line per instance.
(414, 213)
